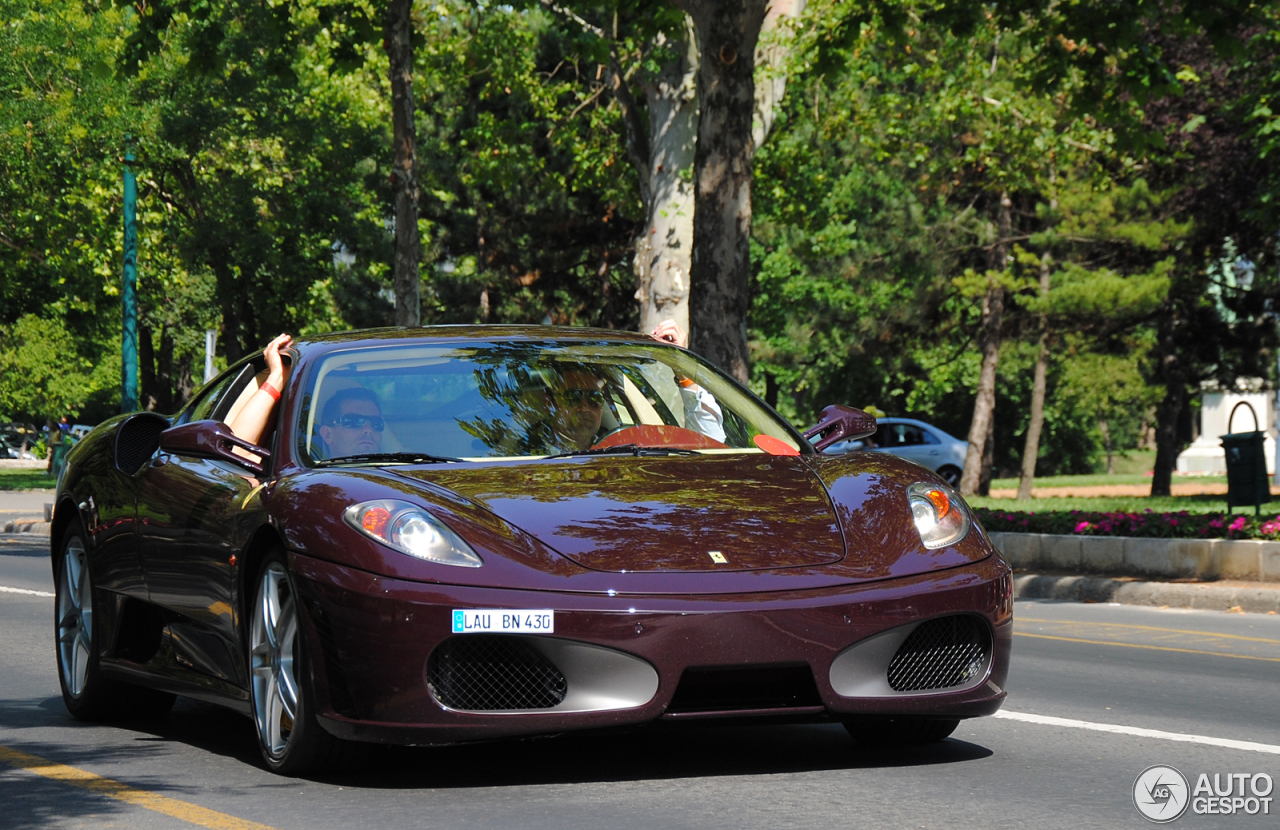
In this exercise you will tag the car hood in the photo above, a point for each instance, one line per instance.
(626, 514)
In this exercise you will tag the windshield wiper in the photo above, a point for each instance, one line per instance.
(403, 457)
(626, 449)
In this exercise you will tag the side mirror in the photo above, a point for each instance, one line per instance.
(211, 439)
(836, 423)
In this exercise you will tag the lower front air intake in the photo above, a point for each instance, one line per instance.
(942, 653)
(485, 673)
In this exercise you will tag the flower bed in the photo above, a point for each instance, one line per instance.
(1179, 525)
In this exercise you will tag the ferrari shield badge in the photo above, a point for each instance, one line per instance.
(717, 557)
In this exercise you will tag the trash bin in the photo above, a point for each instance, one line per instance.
(59, 456)
(1247, 481)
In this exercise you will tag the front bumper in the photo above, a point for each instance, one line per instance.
(369, 640)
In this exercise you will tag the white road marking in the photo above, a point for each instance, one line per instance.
(4, 590)
(1137, 731)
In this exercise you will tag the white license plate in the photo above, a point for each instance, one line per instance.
(504, 621)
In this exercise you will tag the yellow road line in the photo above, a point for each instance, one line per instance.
(98, 785)
(1151, 628)
(1153, 648)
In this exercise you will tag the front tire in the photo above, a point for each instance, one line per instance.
(290, 738)
(900, 730)
(85, 692)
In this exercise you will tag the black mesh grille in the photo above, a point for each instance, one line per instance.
(137, 439)
(484, 672)
(941, 653)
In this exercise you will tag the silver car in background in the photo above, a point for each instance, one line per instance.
(915, 440)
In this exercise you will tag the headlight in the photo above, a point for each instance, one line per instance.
(939, 513)
(411, 530)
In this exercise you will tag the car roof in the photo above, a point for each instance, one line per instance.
(487, 333)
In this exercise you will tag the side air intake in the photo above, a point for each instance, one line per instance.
(485, 673)
(941, 654)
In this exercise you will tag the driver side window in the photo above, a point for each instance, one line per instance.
(205, 407)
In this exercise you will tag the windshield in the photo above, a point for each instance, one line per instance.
(526, 399)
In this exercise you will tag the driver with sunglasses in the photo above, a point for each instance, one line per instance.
(352, 423)
(577, 402)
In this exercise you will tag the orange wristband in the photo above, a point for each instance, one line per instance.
(270, 390)
(685, 383)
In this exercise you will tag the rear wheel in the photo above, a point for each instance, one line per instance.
(291, 739)
(87, 694)
(901, 731)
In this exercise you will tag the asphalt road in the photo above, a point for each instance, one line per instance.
(1095, 667)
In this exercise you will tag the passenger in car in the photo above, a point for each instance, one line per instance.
(702, 411)
(352, 423)
(251, 421)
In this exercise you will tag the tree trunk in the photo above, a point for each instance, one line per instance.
(164, 372)
(988, 459)
(663, 156)
(664, 245)
(1031, 449)
(1175, 397)
(148, 397)
(1105, 429)
(721, 264)
(398, 42)
(992, 317)
(230, 294)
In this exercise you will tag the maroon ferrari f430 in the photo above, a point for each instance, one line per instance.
(467, 533)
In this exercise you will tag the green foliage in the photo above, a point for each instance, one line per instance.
(42, 373)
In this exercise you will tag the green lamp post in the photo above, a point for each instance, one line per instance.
(129, 291)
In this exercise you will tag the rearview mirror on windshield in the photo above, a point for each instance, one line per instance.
(837, 423)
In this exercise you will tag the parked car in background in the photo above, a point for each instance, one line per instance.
(11, 445)
(916, 441)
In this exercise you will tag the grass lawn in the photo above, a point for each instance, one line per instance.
(1127, 504)
(1101, 480)
(26, 480)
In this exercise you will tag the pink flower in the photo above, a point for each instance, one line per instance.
(1238, 524)
(1082, 527)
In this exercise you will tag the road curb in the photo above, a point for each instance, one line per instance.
(1250, 560)
(28, 528)
(1160, 594)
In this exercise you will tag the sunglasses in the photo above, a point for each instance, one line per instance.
(595, 397)
(358, 422)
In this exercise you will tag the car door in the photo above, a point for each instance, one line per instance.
(187, 514)
(909, 441)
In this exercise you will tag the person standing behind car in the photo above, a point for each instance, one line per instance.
(702, 412)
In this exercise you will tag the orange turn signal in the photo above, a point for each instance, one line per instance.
(941, 503)
(375, 520)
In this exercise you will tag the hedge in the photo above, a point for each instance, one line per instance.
(1179, 525)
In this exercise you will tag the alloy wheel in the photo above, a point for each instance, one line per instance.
(273, 640)
(75, 617)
